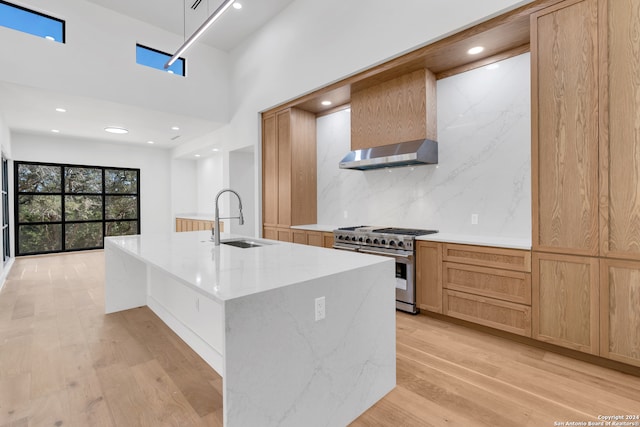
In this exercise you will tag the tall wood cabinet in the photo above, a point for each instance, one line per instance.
(586, 176)
(289, 172)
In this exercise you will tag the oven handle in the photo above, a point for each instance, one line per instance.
(395, 255)
(345, 248)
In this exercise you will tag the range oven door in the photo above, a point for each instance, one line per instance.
(405, 277)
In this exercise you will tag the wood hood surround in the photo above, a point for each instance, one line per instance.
(399, 110)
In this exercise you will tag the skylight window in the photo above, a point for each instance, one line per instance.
(31, 22)
(156, 59)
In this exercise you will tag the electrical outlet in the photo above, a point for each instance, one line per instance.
(474, 219)
(320, 308)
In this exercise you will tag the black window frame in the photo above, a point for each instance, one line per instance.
(44, 15)
(62, 194)
(6, 237)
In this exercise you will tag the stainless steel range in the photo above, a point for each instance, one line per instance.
(398, 243)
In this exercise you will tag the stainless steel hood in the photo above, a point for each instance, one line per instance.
(419, 152)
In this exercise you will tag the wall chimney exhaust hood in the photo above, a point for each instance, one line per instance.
(419, 152)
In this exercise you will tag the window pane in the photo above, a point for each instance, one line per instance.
(83, 235)
(122, 228)
(39, 208)
(120, 181)
(121, 207)
(39, 238)
(82, 180)
(31, 22)
(82, 208)
(39, 178)
(156, 59)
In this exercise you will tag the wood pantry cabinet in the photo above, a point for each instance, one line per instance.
(187, 224)
(312, 238)
(586, 175)
(289, 171)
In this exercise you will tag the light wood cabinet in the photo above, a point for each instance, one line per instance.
(429, 276)
(289, 170)
(489, 286)
(327, 239)
(311, 238)
(620, 310)
(187, 224)
(399, 110)
(586, 175)
(620, 129)
(506, 285)
(566, 301)
(509, 259)
(564, 162)
(507, 316)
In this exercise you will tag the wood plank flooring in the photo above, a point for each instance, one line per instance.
(64, 363)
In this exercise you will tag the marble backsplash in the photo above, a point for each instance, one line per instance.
(484, 135)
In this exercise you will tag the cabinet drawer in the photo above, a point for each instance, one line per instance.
(506, 285)
(507, 316)
(484, 256)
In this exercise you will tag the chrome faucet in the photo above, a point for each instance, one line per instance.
(216, 230)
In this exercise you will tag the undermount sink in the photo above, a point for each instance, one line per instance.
(244, 243)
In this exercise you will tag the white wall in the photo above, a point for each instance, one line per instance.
(154, 165)
(241, 179)
(210, 180)
(484, 163)
(98, 60)
(184, 189)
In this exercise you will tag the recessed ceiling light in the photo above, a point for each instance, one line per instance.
(55, 131)
(175, 128)
(150, 142)
(237, 5)
(216, 149)
(326, 103)
(61, 110)
(493, 66)
(114, 129)
(475, 50)
(197, 155)
(50, 38)
(170, 71)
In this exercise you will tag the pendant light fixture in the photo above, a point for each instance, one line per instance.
(195, 36)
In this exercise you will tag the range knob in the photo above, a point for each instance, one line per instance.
(368, 240)
(392, 243)
(400, 244)
(383, 242)
(376, 242)
(353, 238)
(361, 239)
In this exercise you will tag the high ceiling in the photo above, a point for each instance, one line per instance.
(32, 110)
(178, 17)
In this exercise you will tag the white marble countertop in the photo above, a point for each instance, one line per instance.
(465, 239)
(316, 227)
(197, 216)
(225, 272)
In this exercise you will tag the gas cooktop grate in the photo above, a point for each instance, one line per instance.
(404, 231)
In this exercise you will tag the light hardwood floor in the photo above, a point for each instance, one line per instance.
(64, 363)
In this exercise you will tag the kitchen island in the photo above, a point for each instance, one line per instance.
(251, 313)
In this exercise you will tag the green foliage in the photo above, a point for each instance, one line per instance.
(39, 208)
(39, 178)
(83, 180)
(121, 207)
(83, 235)
(82, 208)
(120, 181)
(122, 228)
(39, 238)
